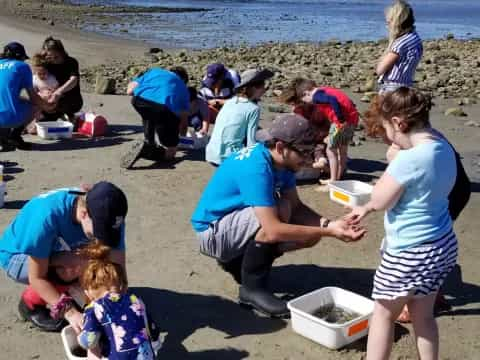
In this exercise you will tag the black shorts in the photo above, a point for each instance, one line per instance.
(157, 119)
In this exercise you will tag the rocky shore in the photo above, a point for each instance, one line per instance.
(450, 68)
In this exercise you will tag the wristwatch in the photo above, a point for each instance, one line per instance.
(325, 223)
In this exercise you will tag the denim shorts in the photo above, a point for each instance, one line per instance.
(17, 268)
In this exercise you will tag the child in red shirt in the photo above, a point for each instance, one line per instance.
(326, 106)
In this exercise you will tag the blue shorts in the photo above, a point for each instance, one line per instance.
(17, 268)
(23, 114)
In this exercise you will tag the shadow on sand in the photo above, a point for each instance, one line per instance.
(182, 314)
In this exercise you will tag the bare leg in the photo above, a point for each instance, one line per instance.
(425, 326)
(380, 334)
(343, 157)
(333, 155)
(205, 126)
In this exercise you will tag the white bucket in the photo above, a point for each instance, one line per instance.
(70, 343)
(331, 335)
(2, 194)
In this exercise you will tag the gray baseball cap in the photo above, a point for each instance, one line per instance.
(252, 76)
(290, 128)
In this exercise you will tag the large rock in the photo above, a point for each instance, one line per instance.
(455, 111)
(104, 85)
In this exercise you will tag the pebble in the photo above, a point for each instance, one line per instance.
(455, 111)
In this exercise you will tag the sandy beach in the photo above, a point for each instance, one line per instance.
(191, 299)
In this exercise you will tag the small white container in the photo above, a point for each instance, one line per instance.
(350, 192)
(54, 129)
(69, 339)
(2, 194)
(333, 336)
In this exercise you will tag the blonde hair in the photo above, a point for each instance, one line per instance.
(100, 272)
(408, 103)
(401, 20)
(39, 60)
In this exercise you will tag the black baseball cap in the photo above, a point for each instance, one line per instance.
(107, 207)
(16, 50)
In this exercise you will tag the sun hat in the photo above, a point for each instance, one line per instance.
(253, 76)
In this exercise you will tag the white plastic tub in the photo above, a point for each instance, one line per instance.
(70, 343)
(69, 339)
(333, 336)
(54, 129)
(350, 192)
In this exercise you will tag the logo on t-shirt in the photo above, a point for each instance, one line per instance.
(245, 152)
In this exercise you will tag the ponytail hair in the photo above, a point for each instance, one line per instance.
(100, 272)
(408, 103)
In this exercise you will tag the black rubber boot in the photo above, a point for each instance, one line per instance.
(257, 262)
(233, 267)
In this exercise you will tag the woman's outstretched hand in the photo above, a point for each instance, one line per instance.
(356, 215)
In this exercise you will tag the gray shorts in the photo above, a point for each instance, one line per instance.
(226, 238)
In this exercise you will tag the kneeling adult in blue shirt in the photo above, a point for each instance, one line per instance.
(40, 247)
(15, 112)
(250, 211)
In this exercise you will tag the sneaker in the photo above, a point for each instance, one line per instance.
(264, 302)
(5, 145)
(132, 155)
(40, 317)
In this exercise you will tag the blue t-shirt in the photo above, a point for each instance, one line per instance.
(163, 87)
(246, 178)
(427, 172)
(122, 320)
(15, 75)
(44, 226)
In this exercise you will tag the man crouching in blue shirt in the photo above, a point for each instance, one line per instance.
(250, 212)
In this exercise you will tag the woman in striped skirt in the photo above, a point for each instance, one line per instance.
(419, 248)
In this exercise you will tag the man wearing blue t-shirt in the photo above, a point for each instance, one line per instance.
(162, 99)
(250, 212)
(15, 112)
(39, 247)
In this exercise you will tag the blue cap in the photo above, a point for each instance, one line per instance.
(215, 72)
(107, 207)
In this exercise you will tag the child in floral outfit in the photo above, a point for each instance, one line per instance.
(115, 316)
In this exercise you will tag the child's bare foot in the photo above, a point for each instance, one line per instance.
(320, 163)
(322, 188)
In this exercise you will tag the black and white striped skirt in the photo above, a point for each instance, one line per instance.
(415, 272)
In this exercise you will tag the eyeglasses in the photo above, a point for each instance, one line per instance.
(303, 150)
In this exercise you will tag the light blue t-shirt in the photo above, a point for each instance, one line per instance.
(246, 178)
(163, 87)
(235, 127)
(427, 172)
(44, 226)
(15, 75)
